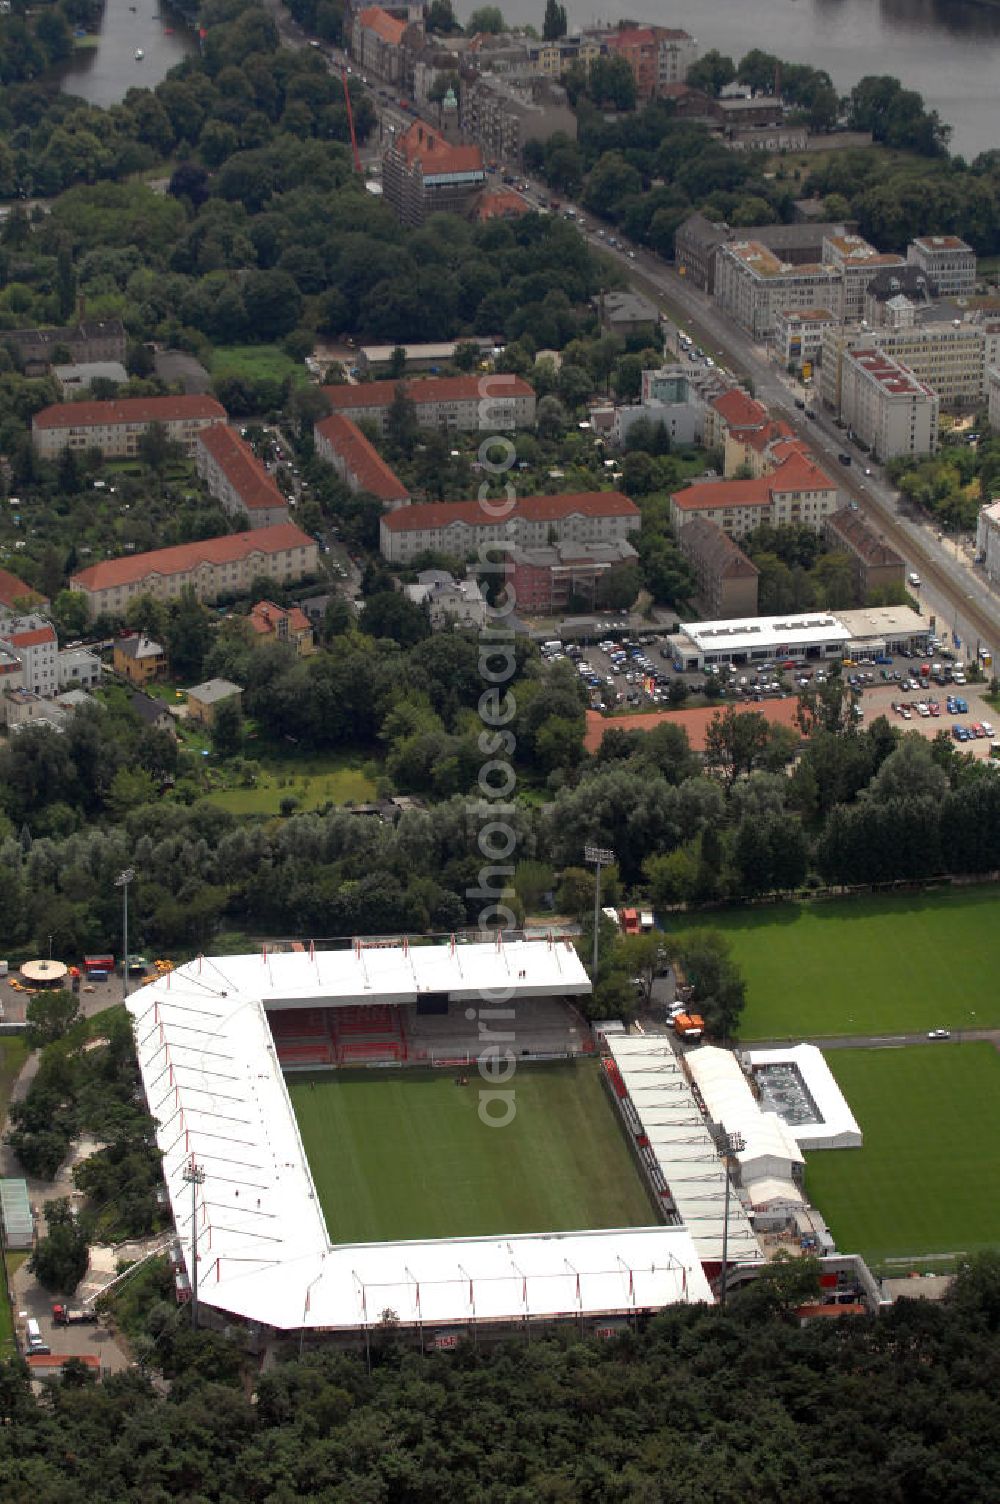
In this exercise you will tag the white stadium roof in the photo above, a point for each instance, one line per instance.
(679, 1137)
(214, 1084)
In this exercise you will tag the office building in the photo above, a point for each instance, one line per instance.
(886, 406)
(947, 261)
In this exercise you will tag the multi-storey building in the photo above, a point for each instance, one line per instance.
(797, 492)
(115, 428)
(465, 403)
(953, 358)
(754, 287)
(461, 529)
(677, 396)
(725, 579)
(948, 262)
(557, 575)
(988, 540)
(17, 597)
(356, 460)
(139, 659)
(893, 297)
(657, 56)
(798, 335)
(889, 409)
(698, 239)
(993, 399)
(877, 567)
(423, 174)
(32, 640)
(236, 478)
(87, 340)
(859, 263)
(215, 568)
(377, 42)
(503, 115)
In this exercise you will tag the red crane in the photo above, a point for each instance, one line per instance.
(350, 121)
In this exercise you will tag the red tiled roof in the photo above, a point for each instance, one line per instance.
(740, 410)
(437, 514)
(265, 617)
(694, 722)
(421, 144)
(361, 458)
(500, 203)
(633, 36)
(185, 556)
(427, 389)
(32, 639)
(799, 472)
(254, 486)
(382, 24)
(724, 493)
(12, 589)
(127, 410)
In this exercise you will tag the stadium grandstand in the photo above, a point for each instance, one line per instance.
(211, 1039)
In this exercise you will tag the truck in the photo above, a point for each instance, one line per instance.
(99, 968)
(73, 1316)
(689, 1026)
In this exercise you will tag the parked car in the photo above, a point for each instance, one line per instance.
(939, 1034)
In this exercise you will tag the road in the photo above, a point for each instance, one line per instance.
(878, 1041)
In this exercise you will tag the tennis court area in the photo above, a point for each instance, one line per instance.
(404, 1153)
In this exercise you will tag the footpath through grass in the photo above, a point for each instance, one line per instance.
(403, 1154)
(926, 1180)
(903, 963)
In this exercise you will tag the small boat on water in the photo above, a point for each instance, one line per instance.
(139, 54)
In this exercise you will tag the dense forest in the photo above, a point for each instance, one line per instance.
(727, 1407)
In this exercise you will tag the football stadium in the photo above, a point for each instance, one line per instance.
(425, 1135)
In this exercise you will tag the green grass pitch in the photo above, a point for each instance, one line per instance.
(898, 964)
(926, 1180)
(403, 1154)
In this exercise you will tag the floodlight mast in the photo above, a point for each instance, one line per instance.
(600, 856)
(122, 881)
(194, 1174)
(729, 1143)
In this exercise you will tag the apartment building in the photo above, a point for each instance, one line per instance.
(947, 261)
(16, 596)
(725, 579)
(237, 478)
(356, 460)
(951, 357)
(424, 174)
(271, 623)
(859, 263)
(657, 56)
(753, 286)
(797, 492)
(877, 567)
(677, 396)
(798, 336)
(503, 115)
(215, 568)
(560, 576)
(85, 341)
(376, 39)
(115, 428)
(32, 641)
(469, 404)
(988, 540)
(890, 410)
(461, 529)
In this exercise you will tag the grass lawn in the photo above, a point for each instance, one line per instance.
(313, 781)
(925, 1181)
(258, 363)
(901, 963)
(13, 1054)
(7, 1347)
(403, 1154)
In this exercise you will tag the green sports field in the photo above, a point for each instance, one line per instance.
(403, 1154)
(928, 1177)
(903, 963)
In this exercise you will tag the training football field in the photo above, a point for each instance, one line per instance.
(903, 963)
(404, 1154)
(928, 1177)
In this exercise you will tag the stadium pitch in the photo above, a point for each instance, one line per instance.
(903, 963)
(399, 1154)
(925, 1181)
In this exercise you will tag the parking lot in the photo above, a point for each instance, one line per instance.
(880, 698)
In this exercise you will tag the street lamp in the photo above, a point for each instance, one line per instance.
(195, 1176)
(599, 856)
(729, 1143)
(122, 881)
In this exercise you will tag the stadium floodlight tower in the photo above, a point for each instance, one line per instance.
(122, 881)
(600, 856)
(194, 1174)
(729, 1143)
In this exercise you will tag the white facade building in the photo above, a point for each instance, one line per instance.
(988, 540)
(754, 287)
(948, 261)
(32, 640)
(890, 410)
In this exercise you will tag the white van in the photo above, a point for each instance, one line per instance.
(36, 1343)
(914, 579)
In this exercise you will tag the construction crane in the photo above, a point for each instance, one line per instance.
(350, 120)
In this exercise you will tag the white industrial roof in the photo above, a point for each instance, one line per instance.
(731, 1102)
(215, 1086)
(769, 1190)
(803, 629)
(838, 1128)
(685, 1151)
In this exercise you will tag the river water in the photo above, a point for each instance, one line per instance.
(103, 74)
(948, 50)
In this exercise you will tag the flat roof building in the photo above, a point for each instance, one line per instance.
(948, 261)
(890, 410)
(761, 639)
(754, 286)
